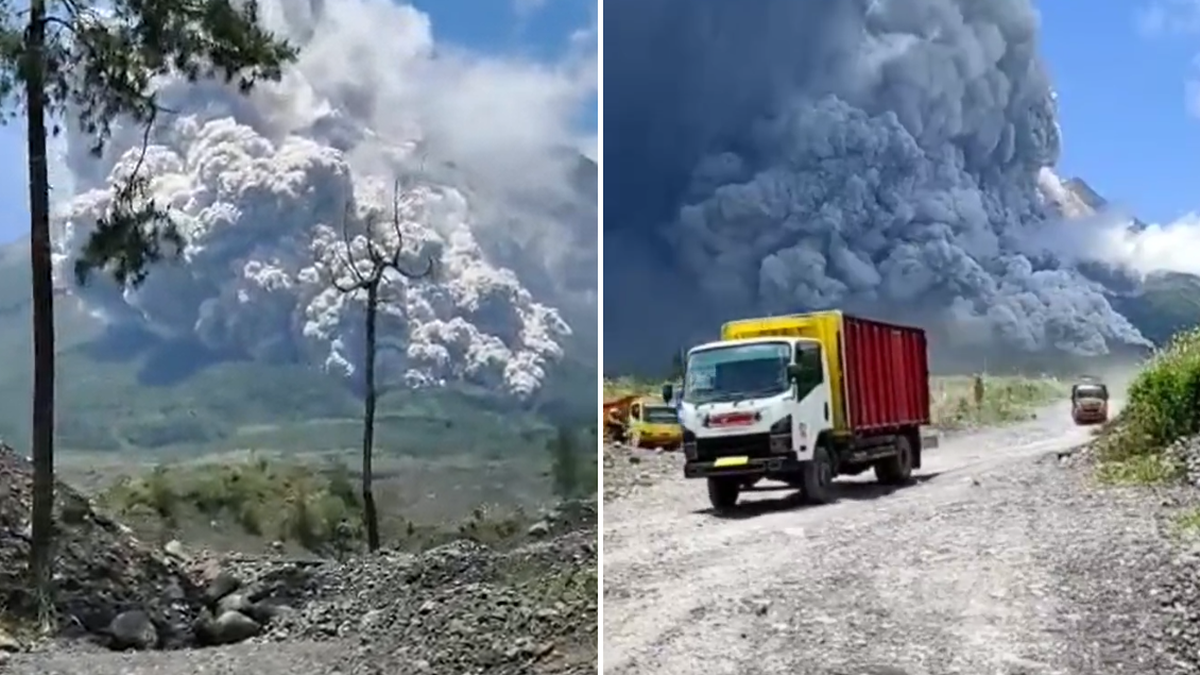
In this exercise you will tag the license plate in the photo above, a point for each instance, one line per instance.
(724, 462)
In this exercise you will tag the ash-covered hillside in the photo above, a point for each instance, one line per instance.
(245, 336)
(886, 158)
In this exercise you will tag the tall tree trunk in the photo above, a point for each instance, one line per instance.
(41, 550)
(370, 516)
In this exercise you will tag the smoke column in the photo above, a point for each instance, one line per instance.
(874, 155)
(260, 187)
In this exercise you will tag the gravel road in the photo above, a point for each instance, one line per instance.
(999, 559)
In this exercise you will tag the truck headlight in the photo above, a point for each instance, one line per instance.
(781, 436)
(689, 444)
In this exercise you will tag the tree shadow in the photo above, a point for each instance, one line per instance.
(845, 491)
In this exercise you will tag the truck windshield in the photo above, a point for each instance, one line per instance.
(1091, 391)
(735, 372)
(661, 415)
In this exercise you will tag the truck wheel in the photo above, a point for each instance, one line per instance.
(897, 469)
(817, 478)
(723, 493)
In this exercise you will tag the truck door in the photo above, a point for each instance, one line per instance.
(812, 412)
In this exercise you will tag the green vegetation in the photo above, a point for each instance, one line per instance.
(1006, 399)
(288, 503)
(569, 467)
(1162, 406)
(307, 506)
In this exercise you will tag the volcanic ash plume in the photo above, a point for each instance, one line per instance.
(882, 156)
(261, 187)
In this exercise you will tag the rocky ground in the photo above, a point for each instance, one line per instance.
(628, 469)
(128, 608)
(1004, 557)
(1177, 584)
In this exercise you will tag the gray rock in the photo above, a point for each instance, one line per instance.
(223, 585)
(8, 643)
(539, 529)
(132, 630)
(174, 549)
(231, 627)
(234, 602)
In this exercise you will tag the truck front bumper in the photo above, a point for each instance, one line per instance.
(741, 466)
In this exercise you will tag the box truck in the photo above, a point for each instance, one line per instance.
(802, 399)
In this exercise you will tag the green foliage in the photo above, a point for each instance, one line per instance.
(285, 501)
(565, 465)
(1162, 406)
(98, 62)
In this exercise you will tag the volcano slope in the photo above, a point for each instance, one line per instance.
(1003, 557)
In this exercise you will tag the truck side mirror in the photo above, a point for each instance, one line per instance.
(794, 372)
(668, 393)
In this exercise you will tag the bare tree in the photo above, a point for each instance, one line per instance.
(380, 263)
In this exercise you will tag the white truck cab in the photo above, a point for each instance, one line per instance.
(755, 408)
(773, 408)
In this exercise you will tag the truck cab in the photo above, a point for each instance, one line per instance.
(1089, 402)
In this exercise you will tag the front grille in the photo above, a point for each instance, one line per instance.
(750, 445)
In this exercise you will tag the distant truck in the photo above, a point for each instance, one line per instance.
(802, 399)
(1089, 401)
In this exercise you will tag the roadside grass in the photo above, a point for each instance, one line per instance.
(1187, 523)
(1006, 399)
(1162, 406)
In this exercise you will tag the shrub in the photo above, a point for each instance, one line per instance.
(1163, 404)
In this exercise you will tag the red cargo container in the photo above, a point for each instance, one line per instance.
(885, 373)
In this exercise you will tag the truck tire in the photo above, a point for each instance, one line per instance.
(897, 469)
(816, 482)
(723, 493)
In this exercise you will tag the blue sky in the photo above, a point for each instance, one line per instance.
(1123, 107)
(538, 29)
(1127, 126)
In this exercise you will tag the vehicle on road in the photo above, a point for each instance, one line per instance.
(643, 423)
(802, 399)
(1089, 402)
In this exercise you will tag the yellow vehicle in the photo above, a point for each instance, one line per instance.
(642, 423)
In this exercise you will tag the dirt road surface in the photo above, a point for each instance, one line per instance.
(999, 559)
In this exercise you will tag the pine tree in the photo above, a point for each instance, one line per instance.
(95, 64)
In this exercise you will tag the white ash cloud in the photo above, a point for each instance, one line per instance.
(802, 154)
(260, 184)
(1111, 235)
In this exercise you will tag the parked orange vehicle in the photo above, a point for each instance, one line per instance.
(1089, 402)
(642, 422)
